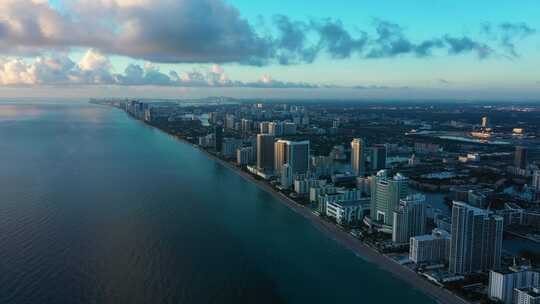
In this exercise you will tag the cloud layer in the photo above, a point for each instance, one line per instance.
(211, 31)
(95, 69)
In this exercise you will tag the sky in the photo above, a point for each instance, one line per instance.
(456, 50)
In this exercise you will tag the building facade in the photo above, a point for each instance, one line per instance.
(358, 156)
(378, 157)
(409, 218)
(265, 152)
(429, 248)
(386, 193)
(476, 239)
(503, 282)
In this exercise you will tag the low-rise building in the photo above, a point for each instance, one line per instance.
(429, 248)
(347, 212)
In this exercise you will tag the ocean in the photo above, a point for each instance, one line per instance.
(96, 207)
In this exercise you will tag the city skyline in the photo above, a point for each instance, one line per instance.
(341, 50)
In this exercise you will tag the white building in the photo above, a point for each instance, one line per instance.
(340, 194)
(286, 176)
(503, 283)
(347, 212)
(430, 247)
(245, 156)
(264, 127)
(527, 296)
(409, 218)
(536, 180)
(476, 243)
(386, 192)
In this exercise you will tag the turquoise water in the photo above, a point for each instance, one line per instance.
(98, 208)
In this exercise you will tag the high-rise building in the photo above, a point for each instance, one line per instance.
(218, 131)
(503, 282)
(229, 121)
(386, 193)
(378, 157)
(245, 156)
(280, 155)
(293, 153)
(264, 127)
(286, 176)
(275, 128)
(536, 180)
(430, 247)
(358, 156)
(265, 152)
(520, 157)
(485, 122)
(476, 239)
(229, 147)
(246, 125)
(409, 218)
(298, 156)
(289, 128)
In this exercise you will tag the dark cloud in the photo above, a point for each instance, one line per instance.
(507, 34)
(212, 31)
(464, 44)
(336, 40)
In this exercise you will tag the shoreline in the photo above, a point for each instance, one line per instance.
(368, 254)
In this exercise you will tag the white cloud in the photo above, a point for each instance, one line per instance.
(95, 69)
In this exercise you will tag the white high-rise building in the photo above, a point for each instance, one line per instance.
(503, 282)
(286, 176)
(386, 193)
(358, 156)
(245, 156)
(536, 180)
(409, 218)
(430, 247)
(476, 239)
(264, 127)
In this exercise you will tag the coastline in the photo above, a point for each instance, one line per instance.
(439, 294)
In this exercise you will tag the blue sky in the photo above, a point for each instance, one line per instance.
(422, 19)
(441, 73)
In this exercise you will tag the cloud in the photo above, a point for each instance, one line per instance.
(95, 69)
(443, 81)
(212, 31)
(507, 34)
(460, 45)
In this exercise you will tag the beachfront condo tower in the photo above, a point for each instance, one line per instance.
(409, 218)
(476, 239)
(386, 192)
(265, 152)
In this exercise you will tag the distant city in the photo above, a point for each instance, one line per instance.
(435, 190)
